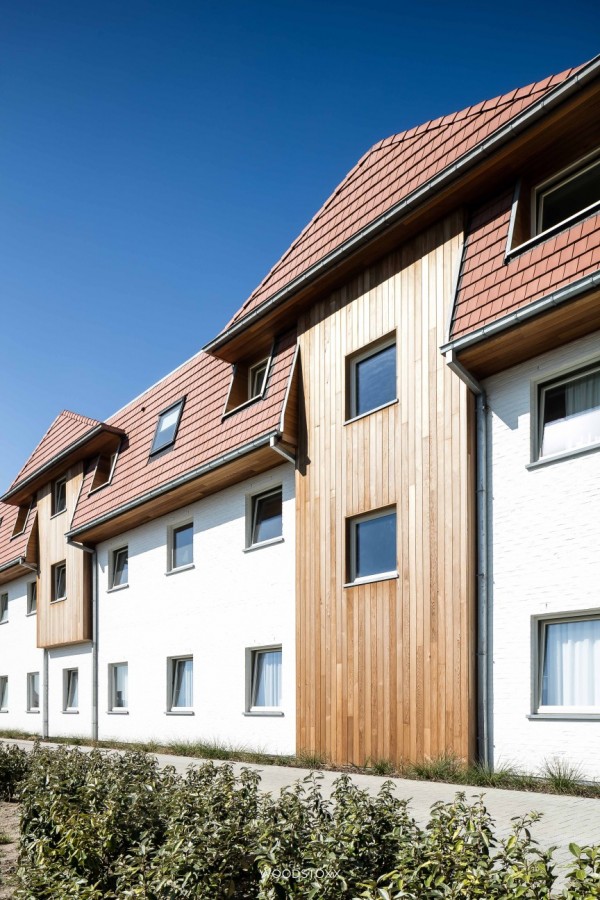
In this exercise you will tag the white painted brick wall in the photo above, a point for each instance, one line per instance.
(18, 656)
(546, 559)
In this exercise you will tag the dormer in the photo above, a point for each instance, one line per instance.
(249, 380)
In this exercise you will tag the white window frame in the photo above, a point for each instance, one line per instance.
(538, 632)
(352, 532)
(352, 362)
(31, 594)
(56, 485)
(3, 607)
(555, 181)
(252, 654)
(4, 693)
(171, 567)
(112, 688)
(30, 677)
(67, 678)
(113, 568)
(179, 403)
(172, 663)
(252, 504)
(54, 587)
(253, 395)
(539, 390)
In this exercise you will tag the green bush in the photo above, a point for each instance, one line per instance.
(114, 826)
(14, 764)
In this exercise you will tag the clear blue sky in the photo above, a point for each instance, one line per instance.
(156, 158)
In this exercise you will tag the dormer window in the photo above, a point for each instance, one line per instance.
(21, 522)
(166, 429)
(573, 191)
(256, 378)
(249, 383)
(59, 496)
(104, 471)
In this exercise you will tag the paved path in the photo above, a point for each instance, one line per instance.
(564, 819)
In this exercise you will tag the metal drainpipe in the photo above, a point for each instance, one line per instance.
(45, 717)
(484, 592)
(94, 646)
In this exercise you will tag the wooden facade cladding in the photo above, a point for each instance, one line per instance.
(65, 621)
(386, 669)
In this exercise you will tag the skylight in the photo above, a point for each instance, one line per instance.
(166, 429)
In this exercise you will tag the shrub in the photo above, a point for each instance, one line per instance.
(14, 764)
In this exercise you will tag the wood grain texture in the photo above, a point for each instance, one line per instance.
(386, 670)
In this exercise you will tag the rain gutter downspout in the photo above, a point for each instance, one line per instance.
(94, 556)
(484, 588)
(45, 691)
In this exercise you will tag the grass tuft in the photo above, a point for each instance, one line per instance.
(5, 838)
(310, 759)
(563, 776)
(441, 768)
(382, 767)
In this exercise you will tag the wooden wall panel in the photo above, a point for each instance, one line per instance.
(66, 621)
(386, 670)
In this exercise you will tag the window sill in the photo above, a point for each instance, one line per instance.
(70, 712)
(566, 454)
(4, 622)
(371, 411)
(244, 405)
(551, 232)
(117, 712)
(32, 712)
(117, 587)
(565, 716)
(180, 569)
(253, 713)
(29, 614)
(179, 712)
(57, 514)
(275, 540)
(371, 579)
(4, 711)
(58, 600)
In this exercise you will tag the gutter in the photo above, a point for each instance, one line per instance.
(231, 456)
(486, 148)
(11, 563)
(556, 298)
(485, 744)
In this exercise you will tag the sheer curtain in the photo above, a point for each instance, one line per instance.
(581, 425)
(267, 691)
(182, 686)
(571, 675)
(121, 679)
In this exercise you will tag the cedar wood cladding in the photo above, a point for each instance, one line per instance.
(385, 670)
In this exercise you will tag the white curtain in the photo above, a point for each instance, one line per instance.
(182, 683)
(571, 675)
(267, 691)
(581, 425)
(121, 679)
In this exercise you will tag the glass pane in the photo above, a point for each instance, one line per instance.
(167, 426)
(3, 692)
(60, 574)
(182, 682)
(60, 496)
(267, 678)
(121, 572)
(72, 688)
(571, 675)
(375, 545)
(267, 518)
(375, 380)
(32, 597)
(120, 679)
(571, 415)
(257, 377)
(34, 690)
(183, 546)
(569, 198)
(4, 608)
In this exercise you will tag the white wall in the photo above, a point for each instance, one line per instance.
(546, 560)
(60, 722)
(231, 600)
(18, 656)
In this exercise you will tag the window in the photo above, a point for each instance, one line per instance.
(182, 546)
(104, 471)
(569, 665)
(59, 582)
(573, 192)
(118, 686)
(3, 608)
(33, 691)
(256, 378)
(59, 496)
(70, 690)
(31, 598)
(4, 693)
(372, 545)
(569, 410)
(119, 575)
(266, 522)
(181, 687)
(21, 520)
(372, 379)
(265, 689)
(166, 428)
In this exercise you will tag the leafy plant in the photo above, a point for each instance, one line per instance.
(14, 764)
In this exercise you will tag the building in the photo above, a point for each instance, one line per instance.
(360, 521)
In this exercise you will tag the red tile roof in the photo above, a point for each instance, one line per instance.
(387, 174)
(13, 547)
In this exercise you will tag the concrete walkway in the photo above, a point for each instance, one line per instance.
(564, 819)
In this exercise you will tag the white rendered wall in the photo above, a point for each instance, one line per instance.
(60, 722)
(546, 560)
(18, 656)
(229, 601)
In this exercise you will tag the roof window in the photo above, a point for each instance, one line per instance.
(166, 428)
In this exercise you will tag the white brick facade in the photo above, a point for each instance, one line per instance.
(18, 656)
(546, 559)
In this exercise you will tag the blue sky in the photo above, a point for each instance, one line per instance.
(156, 158)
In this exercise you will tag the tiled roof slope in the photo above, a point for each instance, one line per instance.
(203, 434)
(388, 173)
(67, 428)
(490, 288)
(13, 547)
